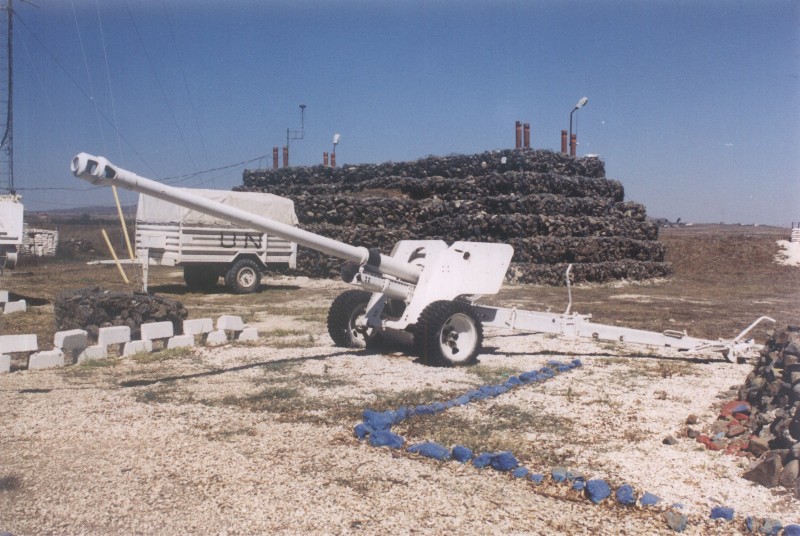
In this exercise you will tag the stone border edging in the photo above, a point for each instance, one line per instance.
(71, 346)
(376, 429)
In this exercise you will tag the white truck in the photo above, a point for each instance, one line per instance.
(209, 248)
(11, 229)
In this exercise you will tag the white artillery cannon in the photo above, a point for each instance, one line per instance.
(424, 288)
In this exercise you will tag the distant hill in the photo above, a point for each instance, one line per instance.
(94, 213)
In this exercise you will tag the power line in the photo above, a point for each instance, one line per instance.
(89, 77)
(180, 178)
(185, 83)
(81, 90)
(108, 77)
(160, 86)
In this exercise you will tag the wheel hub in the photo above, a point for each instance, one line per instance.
(246, 278)
(458, 336)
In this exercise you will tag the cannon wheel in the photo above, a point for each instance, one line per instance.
(345, 310)
(448, 334)
(200, 276)
(244, 277)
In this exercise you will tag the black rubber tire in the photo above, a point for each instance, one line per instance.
(342, 316)
(448, 334)
(200, 276)
(244, 277)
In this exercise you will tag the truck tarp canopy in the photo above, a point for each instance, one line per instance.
(153, 210)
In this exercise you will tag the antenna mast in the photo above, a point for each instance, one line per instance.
(6, 100)
(297, 134)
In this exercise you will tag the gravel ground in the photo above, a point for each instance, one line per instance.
(258, 439)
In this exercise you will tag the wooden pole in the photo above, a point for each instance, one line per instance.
(114, 256)
(122, 222)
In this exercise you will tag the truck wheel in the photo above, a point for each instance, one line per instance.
(244, 277)
(448, 334)
(200, 277)
(345, 310)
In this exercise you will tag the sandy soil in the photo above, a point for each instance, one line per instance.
(256, 439)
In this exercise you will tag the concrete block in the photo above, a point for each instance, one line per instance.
(113, 335)
(18, 343)
(93, 353)
(215, 338)
(157, 330)
(15, 307)
(45, 360)
(5, 363)
(230, 322)
(137, 347)
(3, 296)
(198, 326)
(180, 341)
(73, 339)
(248, 334)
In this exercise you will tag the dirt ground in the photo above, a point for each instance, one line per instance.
(257, 438)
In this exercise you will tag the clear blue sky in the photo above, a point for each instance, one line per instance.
(693, 105)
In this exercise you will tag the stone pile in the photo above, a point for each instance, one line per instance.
(93, 308)
(773, 391)
(763, 422)
(553, 209)
(39, 242)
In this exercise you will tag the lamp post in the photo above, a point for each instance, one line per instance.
(581, 103)
(336, 138)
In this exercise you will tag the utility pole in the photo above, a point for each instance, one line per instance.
(294, 135)
(6, 100)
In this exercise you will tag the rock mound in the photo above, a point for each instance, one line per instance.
(773, 392)
(553, 209)
(93, 308)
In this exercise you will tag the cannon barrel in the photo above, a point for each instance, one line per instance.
(100, 171)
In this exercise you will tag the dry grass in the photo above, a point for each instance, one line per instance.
(724, 278)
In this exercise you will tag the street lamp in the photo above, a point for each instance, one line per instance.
(581, 104)
(336, 138)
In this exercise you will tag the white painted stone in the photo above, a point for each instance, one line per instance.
(3, 296)
(198, 326)
(15, 307)
(93, 353)
(248, 334)
(180, 341)
(230, 322)
(215, 338)
(45, 360)
(5, 363)
(73, 339)
(157, 330)
(18, 343)
(137, 347)
(113, 335)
